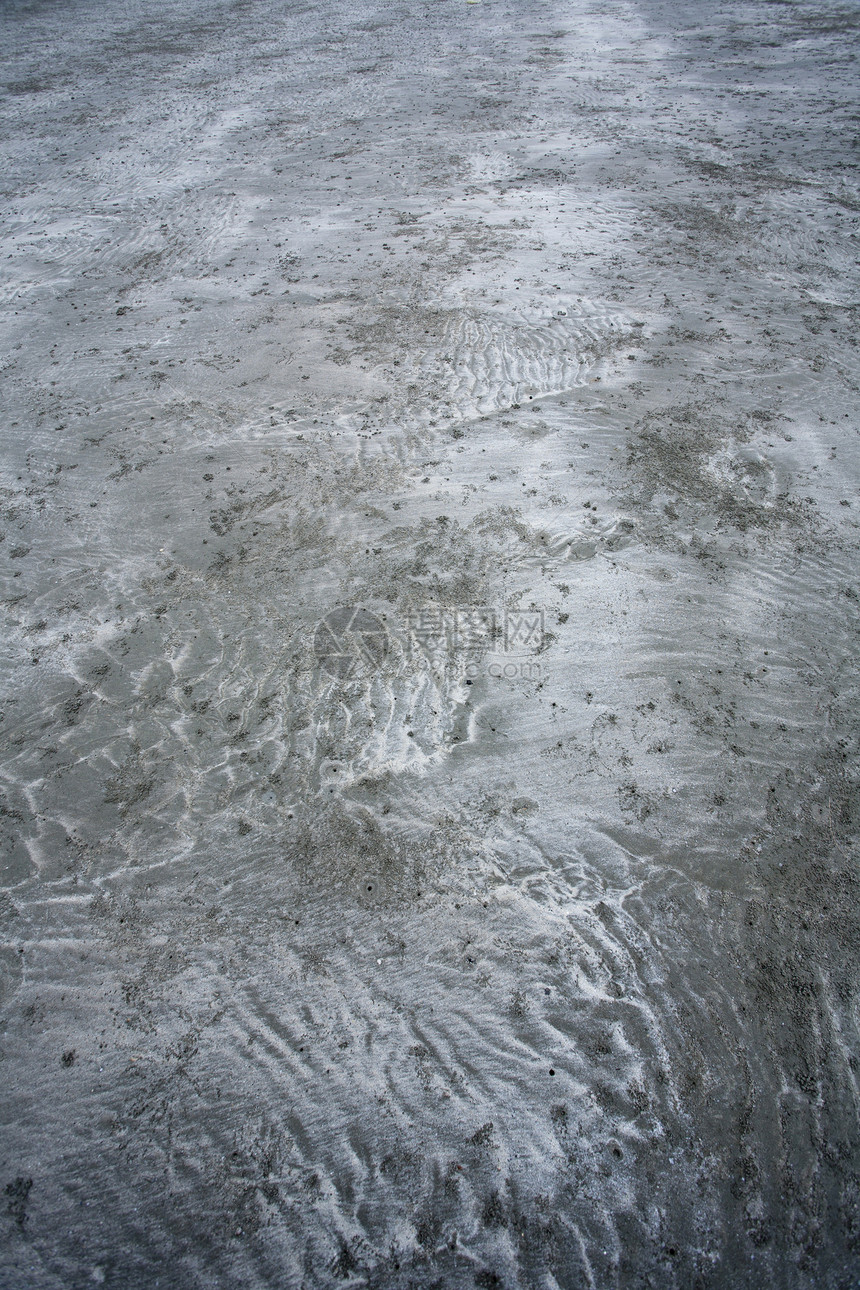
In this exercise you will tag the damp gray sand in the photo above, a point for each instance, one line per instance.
(430, 531)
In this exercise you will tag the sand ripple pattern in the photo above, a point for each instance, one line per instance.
(529, 965)
(485, 364)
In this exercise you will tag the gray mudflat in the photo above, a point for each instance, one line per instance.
(430, 518)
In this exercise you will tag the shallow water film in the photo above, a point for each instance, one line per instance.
(430, 571)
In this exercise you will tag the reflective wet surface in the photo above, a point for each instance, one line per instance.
(430, 505)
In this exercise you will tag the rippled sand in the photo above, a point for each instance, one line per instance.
(515, 944)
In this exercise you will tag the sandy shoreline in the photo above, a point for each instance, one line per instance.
(503, 933)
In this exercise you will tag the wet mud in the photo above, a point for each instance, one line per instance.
(430, 505)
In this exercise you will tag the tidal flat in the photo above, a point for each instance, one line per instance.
(429, 520)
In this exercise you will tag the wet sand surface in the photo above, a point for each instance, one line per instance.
(506, 933)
